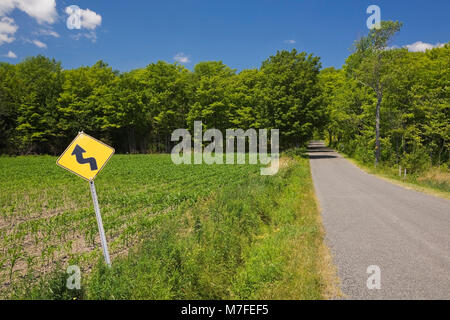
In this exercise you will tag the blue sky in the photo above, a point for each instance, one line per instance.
(131, 34)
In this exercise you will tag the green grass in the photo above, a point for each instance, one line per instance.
(175, 232)
(435, 180)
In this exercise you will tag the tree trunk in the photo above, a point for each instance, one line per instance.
(167, 143)
(131, 140)
(377, 129)
(397, 156)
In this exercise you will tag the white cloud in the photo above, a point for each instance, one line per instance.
(39, 44)
(290, 41)
(47, 32)
(44, 11)
(41, 10)
(420, 46)
(90, 20)
(7, 30)
(181, 58)
(91, 35)
(6, 6)
(10, 55)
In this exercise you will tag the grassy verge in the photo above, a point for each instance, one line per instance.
(260, 239)
(435, 181)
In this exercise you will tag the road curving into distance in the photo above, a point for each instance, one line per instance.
(369, 221)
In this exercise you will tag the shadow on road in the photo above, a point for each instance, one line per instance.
(321, 156)
(317, 150)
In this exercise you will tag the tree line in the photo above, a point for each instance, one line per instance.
(43, 106)
(384, 105)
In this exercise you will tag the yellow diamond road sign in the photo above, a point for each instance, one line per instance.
(85, 156)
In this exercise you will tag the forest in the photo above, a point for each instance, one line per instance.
(385, 104)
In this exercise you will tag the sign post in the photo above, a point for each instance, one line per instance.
(100, 223)
(87, 167)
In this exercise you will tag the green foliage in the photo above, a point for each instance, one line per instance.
(29, 92)
(291, 96)
(52, 286)
(417, 160)
(409, 91)
(296, 152)
(42, 106)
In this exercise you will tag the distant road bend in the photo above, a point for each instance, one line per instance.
(369, 221)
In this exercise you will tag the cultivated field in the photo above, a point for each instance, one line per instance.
(209, 223)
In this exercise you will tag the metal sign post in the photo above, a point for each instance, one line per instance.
(100, 223)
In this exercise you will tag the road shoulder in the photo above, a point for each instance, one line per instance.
(404, 184)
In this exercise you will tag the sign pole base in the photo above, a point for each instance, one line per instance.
(100, 223)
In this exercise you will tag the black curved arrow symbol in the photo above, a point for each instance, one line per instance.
(78, 153)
